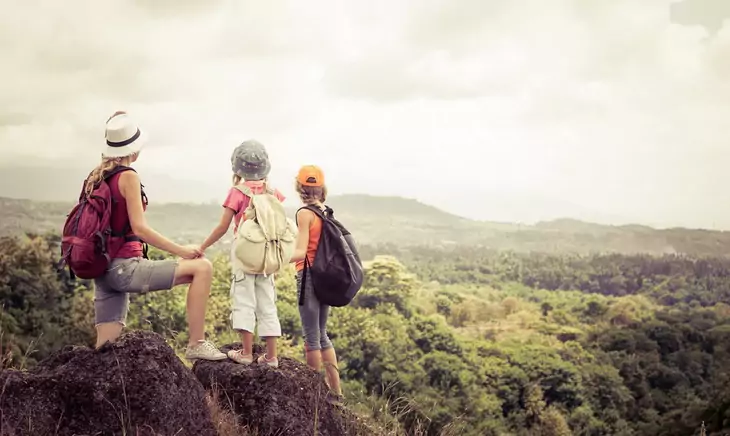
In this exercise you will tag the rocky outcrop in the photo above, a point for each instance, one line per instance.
(136, 386)
(289, 400)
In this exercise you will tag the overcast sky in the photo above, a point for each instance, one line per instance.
(514, 110)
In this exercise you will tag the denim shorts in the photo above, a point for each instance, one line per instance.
(125, 276)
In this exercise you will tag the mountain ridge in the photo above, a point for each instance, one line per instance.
(404, 223)
(47, 180)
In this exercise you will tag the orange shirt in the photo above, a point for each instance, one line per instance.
(315, 229)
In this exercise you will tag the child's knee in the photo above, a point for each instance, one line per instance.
(243, 320)
(265, 311)
(312, 345)
(312, 339)
(324, 341)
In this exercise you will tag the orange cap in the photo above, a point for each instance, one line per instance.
(310, 175)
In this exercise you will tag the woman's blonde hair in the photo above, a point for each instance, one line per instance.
(107, 164)
(311, 194)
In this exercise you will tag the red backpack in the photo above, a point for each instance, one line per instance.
(88, 243)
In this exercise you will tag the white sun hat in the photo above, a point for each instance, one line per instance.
(123, 137)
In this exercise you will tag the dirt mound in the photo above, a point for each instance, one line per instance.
(137, 386)
(289, 400)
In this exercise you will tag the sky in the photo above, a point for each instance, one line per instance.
(610, 111)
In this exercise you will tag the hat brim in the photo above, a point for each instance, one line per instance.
(253, 176)
(256, 175)
(127, 150)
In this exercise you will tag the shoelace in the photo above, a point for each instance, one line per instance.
(207, 345)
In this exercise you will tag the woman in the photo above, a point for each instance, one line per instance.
(129, 271)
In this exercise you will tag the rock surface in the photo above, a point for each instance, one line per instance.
(136, 386)
(288, 400)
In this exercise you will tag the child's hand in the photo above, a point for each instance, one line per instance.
(191, 252)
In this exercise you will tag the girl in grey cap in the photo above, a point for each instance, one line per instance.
(253, 295)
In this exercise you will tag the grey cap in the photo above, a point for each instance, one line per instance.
(251, 161)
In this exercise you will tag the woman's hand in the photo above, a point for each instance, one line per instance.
(190, 252)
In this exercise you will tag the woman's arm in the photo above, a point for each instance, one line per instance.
(220, 230)
(304, 220)
(130, 188)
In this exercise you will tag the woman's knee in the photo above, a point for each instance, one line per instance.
(188, 269)
(203, 266)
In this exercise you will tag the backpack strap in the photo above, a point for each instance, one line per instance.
(304, 278)
(314, 209)
(105, 177)
(117, 170)
(317, 211)
(248, 192)
(124, 233)
(245, 190)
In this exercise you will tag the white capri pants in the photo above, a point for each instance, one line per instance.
(253, 298)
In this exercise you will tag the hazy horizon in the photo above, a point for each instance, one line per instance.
(611, 112)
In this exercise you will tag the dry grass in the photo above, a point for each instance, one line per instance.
(5, 357)
(379, 415)
(224, 420)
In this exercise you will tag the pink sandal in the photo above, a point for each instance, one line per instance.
(274, 363)
(238, 357)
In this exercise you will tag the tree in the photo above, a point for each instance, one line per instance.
(386, 282)
(35, 298)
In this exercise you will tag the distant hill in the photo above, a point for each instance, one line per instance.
(405, 222)
(64, 182)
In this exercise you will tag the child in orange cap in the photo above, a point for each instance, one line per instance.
(312, 191)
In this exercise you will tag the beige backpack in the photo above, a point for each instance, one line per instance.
(266, 238)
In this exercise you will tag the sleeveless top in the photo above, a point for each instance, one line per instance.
(120, 221)
(315, 230)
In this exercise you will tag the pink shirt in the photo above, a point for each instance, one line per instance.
(237, 201)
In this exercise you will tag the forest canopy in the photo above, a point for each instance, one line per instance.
(484, 341)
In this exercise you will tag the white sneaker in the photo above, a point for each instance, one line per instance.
(204, 350)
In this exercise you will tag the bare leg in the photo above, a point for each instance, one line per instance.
(332, 373)
(247, 342)
(271, 347)
(314, 359)
(108, 331)
(199, 273)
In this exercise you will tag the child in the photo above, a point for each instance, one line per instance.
(253, 295)
(318, 347)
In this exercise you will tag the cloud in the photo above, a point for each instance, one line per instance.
(710, 14)
(520, 110)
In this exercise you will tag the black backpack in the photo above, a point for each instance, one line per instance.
(336, 272)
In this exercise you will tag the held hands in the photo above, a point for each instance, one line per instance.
(191, 252)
